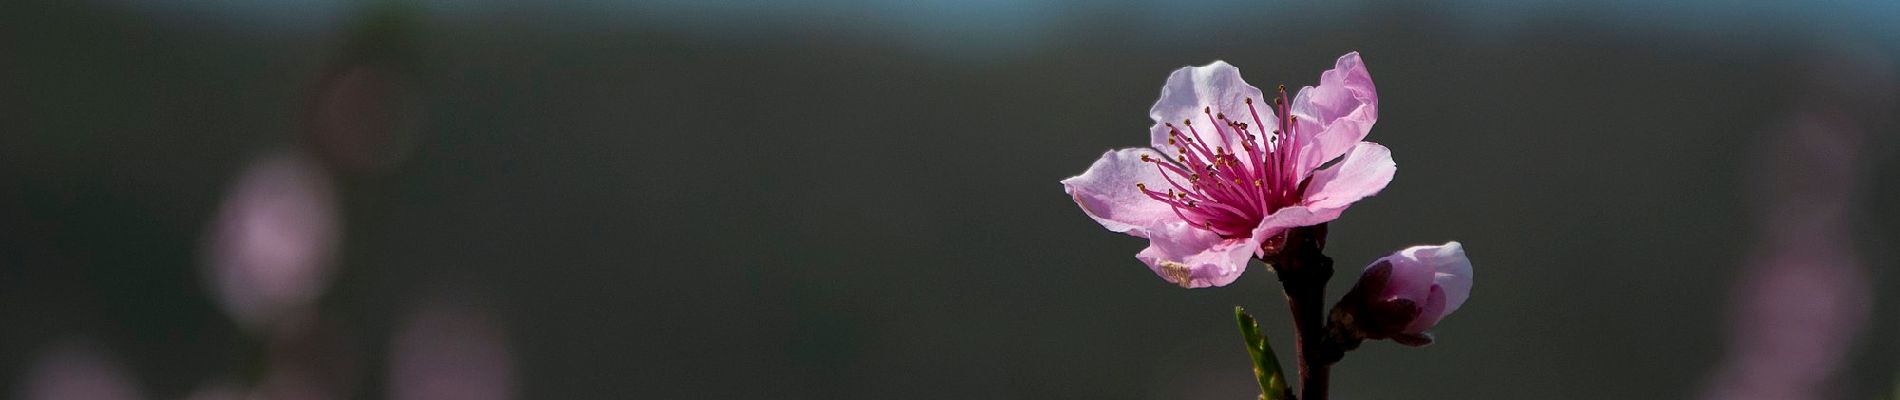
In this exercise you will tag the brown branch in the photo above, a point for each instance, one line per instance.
(1303, 270)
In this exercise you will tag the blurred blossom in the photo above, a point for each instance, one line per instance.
(273, 239)
(1803, 296)
(362, 117)
(75, 370)
(363, 114)
(1243, 168)
(443, 352)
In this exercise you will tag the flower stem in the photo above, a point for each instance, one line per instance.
(1314, 368)
(1303, 272)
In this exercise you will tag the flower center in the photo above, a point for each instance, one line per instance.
(1216, 189)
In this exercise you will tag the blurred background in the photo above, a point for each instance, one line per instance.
(857, 199)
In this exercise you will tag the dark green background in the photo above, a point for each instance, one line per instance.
(811, 206)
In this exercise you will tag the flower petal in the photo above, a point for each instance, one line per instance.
(1336, 114)
(1447, 266)
(1107, 192)
(1190, 90)
(1195, 258)
(1287, 218)
(1410, 279)
(1452, 271)
(1362, 172)
(1430, 312)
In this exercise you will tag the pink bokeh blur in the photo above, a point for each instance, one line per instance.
(76, 369)
(444, 351)
(272, 240)
(1804, 295)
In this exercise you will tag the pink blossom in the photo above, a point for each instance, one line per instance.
(1228, 169)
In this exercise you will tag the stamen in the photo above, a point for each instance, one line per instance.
(1247, 181)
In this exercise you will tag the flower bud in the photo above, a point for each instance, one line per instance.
(1402, 296)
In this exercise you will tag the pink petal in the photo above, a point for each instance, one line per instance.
(1362, 172)
(1411, 279)
(1449, 267)
(1195, 258)
(1107, 192)
(1287, 218)
(1453, 272)
(1430, 311)
(1190, 90)
(1338, 113)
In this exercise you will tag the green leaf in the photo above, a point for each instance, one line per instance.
(1266, 366)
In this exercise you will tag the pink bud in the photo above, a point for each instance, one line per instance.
(1438, 278)
(1403, 295)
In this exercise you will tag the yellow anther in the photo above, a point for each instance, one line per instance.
(1177, 273)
